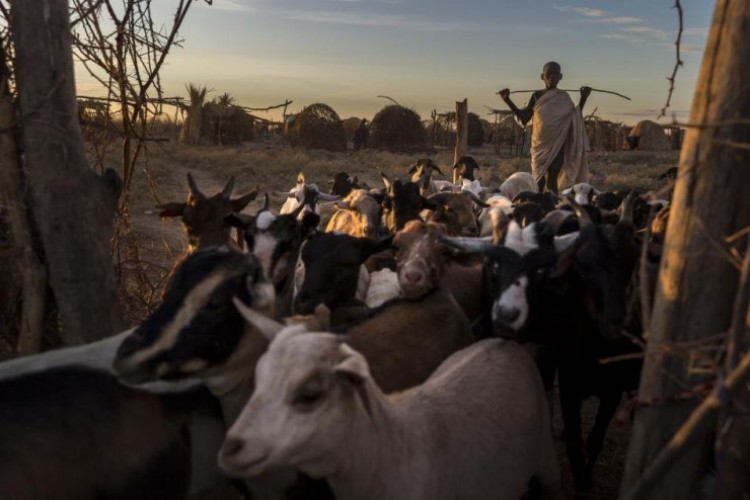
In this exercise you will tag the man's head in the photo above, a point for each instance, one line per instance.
(551, 75)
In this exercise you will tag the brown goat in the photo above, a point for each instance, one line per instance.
(424, 264)
(203, 216)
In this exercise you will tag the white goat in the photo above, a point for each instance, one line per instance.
(477, 428)
(518, 183)
(382, 288)
(583, 193)
(496, 202)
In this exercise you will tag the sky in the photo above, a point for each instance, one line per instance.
(428, 54)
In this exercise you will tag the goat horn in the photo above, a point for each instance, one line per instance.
(626, 216)
(468, 245)
(266, 203)
(228, 188)
(583, 216)
(194, 191)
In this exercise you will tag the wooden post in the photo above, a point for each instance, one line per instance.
(697, 282)
(71, 205)
(462, 130)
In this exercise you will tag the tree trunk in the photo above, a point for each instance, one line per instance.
(21, 258)
(71, 205)
(697, 282)
(462, 130)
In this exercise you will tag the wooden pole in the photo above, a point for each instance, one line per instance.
(462, 130)
(697, 282)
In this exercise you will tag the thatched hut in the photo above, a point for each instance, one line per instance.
(397, 128)
(648, 136)
(226, 124)
(318, 126)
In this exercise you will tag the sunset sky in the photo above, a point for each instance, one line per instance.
(427, 54)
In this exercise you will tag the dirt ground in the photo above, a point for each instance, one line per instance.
(273, 165)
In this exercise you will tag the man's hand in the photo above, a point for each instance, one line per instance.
(505, 94)
(585, 92)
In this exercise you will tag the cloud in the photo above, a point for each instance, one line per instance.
(378, 21)
(645, 30)
(584, 11)
(614, 20)
(695, 32)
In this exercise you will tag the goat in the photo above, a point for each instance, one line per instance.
(403, 202)
(359, 215)
(424, 264)
(305, 195)
(554, 309)
(329, 270)
(421, 172)
(498, 204)
(477, 428)
(203, 217)
(275, 240)
(210, 340)
(464, 169)
(197, 332)
(582, 193)
(343, 183)
(58, 425)
(457, 212)
(518, 183)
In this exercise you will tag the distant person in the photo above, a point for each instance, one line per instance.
(559, 140)
(360, 135)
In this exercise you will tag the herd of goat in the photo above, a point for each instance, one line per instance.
(401, 342)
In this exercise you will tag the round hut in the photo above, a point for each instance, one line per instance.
(318, 126)
(226, 124)
(396, 128)
(648, 136)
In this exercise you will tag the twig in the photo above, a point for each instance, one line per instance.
(394, 101)
(732, 144)
(702, 419)
(678, 61)
(575, 90)
(739, 318)
(644, 292)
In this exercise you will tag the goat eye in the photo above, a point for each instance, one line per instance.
(308, 398)
(518, 283)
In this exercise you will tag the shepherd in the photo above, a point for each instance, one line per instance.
(559, 141)
(360, 135)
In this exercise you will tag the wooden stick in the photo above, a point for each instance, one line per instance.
(575, 90)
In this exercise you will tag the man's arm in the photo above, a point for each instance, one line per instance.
(525, 114)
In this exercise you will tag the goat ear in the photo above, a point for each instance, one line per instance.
(265, 325)
(412, 170)
(386, 181)
(429, 204)
(300, 178)
(379, 197)
(353, 368)
(239, 203)
(173, 209)
(238, 220)
(565, 260)
(370, 246)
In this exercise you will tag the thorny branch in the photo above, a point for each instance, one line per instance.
(678, 61)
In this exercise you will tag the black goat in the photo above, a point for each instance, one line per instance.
(74, 432)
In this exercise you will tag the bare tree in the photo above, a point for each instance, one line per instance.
(699, 271)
